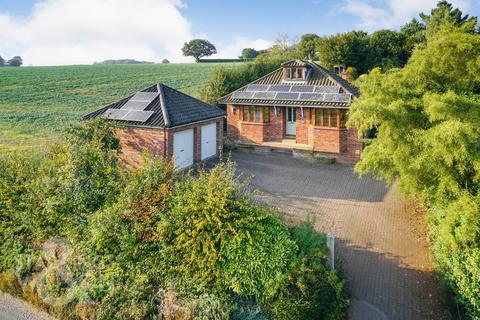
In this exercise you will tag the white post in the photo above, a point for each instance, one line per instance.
(331, 249)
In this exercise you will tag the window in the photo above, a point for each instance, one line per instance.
(343, 118)
(294, 73)
(325, 116)
(333, 117)
(256, 114)
(329, 118)
(266, 115)
(300, 73)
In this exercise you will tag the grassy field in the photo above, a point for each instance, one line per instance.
(37, 102)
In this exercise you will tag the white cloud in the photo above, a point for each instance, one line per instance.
(82, 31)
(234, 49)
(377, 14)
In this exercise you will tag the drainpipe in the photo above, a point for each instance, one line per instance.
(164, 143)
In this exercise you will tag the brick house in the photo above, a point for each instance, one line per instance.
(166, 123)
(300, 106)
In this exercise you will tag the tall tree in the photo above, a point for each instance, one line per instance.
(426, 116)
(249, 53)
(346, 48)
(414, 32)
(15, 61)
(444, 13)
(387, 49)
(198, 48)
(307, 46)
(2, 61)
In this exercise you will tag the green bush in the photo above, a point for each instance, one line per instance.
(426, 116)
(314, 292)
(210, 307)
(216, 238)
(84, 238)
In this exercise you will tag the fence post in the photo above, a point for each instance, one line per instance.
(331, 249)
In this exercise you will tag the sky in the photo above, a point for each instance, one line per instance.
(60, 32)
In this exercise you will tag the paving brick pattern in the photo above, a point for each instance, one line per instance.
(388, 268)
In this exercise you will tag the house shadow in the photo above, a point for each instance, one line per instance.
(381, 282)
(286, 176)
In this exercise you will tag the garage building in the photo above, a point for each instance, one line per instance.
(167, 123)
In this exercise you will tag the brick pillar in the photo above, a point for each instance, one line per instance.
(197, 144)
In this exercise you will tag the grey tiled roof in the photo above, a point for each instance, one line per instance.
(171, 108)
(316, 76)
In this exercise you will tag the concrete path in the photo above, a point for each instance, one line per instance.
(387, 267)
(12, 308)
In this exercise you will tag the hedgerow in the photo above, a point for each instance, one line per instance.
(86, 239)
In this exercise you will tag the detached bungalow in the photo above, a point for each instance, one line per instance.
(166, 123)
(300, 106)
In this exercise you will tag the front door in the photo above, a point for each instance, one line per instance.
(291, 121)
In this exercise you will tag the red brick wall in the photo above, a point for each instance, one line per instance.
(275, 130)
(326, 139)
(352, 147)
(344, 142)
(134, 141)
(255, 133)
(233, 124)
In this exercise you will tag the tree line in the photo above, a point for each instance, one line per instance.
(16, 61)
(358, 50)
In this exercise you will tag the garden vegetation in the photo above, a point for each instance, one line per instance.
(85, 239)
(426, 116)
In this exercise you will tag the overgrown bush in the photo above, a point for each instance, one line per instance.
(216, 238)
(314, 292)
(85, 239)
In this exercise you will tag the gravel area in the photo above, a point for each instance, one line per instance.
(12, 308)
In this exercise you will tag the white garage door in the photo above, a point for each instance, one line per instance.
(183, 148)
(209, 140)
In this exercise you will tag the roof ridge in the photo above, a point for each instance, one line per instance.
(186, 95)
(166, 119)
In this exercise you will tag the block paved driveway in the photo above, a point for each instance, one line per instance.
(387, 267)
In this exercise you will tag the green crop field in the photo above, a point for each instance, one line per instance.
(37, 102)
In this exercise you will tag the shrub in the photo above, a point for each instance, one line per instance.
(210, 307)
(314, 292)
(216, 238)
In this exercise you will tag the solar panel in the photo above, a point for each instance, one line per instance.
(135, 105)
(257, 87)
(286, 96)
(115, 114)
(242, 95)
(264, 95)
(144, 96)
(140, 101)
(312, 96)
(337, 97)
(280, 88)
(327, 89)
(302, 89)
(139, 116)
